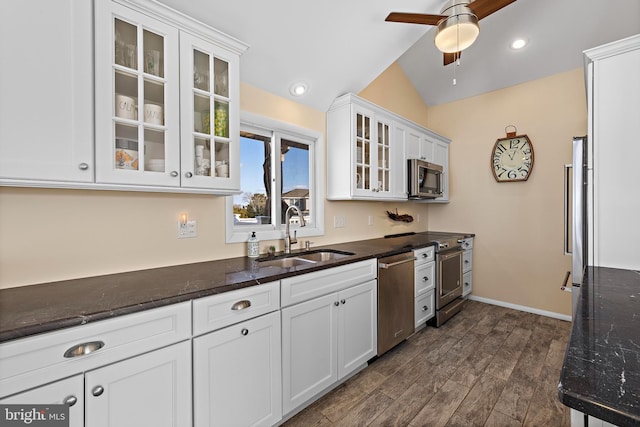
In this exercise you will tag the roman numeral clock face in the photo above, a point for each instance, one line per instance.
(512, 159)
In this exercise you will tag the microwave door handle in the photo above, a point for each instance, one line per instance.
(441, 184)
(567, 204)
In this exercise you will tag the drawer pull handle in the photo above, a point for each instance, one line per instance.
(97, 390)
(425, 308)
(70, 400)
(83, 349)
(244, 331)
(241, 305)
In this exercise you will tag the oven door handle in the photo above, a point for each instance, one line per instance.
(393, 264)
(447, 255)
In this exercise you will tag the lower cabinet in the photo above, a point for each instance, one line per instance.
(237, 374)
(69, 391)
(153, 389)
(467, 266)
(325, 339)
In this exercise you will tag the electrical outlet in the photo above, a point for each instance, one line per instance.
(418, 217)
(370, 220)
(188, 230)
(339, 221)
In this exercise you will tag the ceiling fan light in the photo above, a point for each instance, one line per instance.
(456, 33)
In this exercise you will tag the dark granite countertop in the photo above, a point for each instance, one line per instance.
(35, 309)
(601, 371)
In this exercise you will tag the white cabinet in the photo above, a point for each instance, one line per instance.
(467, 266)
(237, 374)
(46, 106)
(329, 328)
(578, 419)
(151, 389)
(424, 285)
(69, 391)
(167, 102)
(364, 158)
(127, 371)
(237, 371)
(613, 90)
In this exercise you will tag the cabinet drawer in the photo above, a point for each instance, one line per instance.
(40, 359)
(306, 286)
(424, 308)
(467, 283)
(424, 255)
(467, 243)
(425, 277)
(467, 261)
(218, 311)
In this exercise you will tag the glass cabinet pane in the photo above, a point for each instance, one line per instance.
(126, 44)
(221, 79)
(202, 164)
(153, 54)
(154, 149)
(126, 147)
(201, 70)
(221, 119)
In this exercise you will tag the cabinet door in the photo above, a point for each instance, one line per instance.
(383, 161)
(137, 98)
(467, 283)
(153, 389)
(210, 134)
(237, 374)
(441, 157)
(309, 353)
(69, 391)
(46, 87)
(424, 308)
(364, 137)
(357, 327)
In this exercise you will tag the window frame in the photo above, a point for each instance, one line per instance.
(283, 130)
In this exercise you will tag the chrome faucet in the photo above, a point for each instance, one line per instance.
(287, 237)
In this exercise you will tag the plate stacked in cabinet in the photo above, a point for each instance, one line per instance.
(424, 282)
(467, 266)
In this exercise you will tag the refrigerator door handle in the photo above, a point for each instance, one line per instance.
(567, 210)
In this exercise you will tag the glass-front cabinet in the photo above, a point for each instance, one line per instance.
(167, 112)
(209, 103)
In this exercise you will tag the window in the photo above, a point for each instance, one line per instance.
(279, 166)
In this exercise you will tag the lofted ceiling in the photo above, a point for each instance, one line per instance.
(337, 46)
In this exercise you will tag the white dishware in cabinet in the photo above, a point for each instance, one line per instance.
(46, 87)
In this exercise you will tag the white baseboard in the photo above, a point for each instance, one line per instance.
(521, 308)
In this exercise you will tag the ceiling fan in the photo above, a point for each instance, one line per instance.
(457, 24)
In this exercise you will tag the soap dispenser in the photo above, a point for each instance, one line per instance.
(253, 246)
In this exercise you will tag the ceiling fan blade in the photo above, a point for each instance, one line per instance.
(414, 18)
(450, 58)
(484, 8)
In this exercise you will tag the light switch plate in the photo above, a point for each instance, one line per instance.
(188, 230)
(339, 221)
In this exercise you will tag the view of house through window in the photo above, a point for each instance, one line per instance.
(274, 174)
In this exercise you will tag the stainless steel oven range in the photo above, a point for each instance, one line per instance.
(449, 280)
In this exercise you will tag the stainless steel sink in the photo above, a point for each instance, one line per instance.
(303, 258)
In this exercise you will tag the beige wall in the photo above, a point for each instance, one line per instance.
(48, 235)
(518, 255)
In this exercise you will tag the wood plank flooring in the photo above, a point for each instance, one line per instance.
(487, 366)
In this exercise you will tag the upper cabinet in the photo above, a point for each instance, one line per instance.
(167, 103)
(364, 160)
(46, 106)
(166, 114)
(368, 148)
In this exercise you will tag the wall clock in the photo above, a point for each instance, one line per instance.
(512, 158)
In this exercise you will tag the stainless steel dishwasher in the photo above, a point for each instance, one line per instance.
(395, 300)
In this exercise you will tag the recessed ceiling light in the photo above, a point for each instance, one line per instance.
(298, 89)
(518, 44)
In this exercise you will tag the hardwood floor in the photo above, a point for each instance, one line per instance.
(487, 366)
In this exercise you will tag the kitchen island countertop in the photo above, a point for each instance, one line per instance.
(601, 371)
(34, 309)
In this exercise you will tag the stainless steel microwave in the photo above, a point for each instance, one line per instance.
(425, 179)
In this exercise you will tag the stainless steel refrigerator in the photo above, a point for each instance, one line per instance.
(577, 200)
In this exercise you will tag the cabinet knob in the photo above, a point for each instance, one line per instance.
(188, 174)
(97, 390)
(466, 283)
(425, 308)
(343, 301)
(83, 166)
(70, 400)
(337, 303)
(466, 261)
(424, 255)
(425, 279)
(174, 173)
(244, 331)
